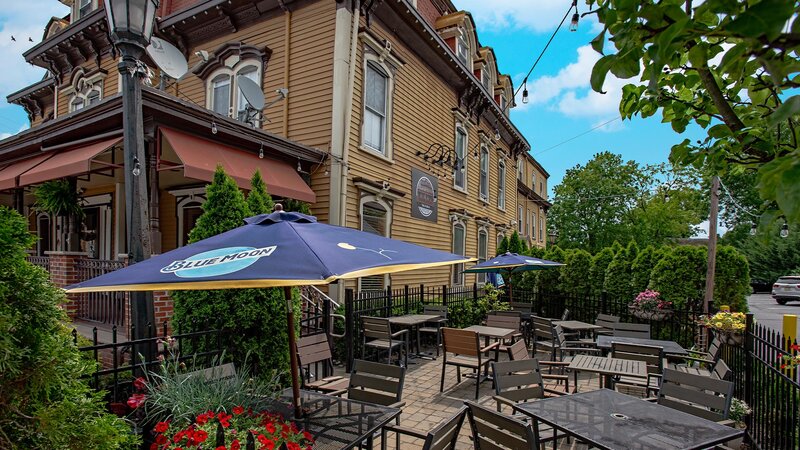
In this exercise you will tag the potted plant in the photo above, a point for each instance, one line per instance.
(738, 412)
(728, 325)
(60, 198)
(649, 305)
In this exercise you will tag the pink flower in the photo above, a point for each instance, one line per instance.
(140, 384)
(136, 400)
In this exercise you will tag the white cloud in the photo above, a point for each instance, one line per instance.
(702, 230)
(539, 16)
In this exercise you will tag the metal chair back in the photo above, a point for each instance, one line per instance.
(634, 330)
(518, 350)
(314, 350)
(606, 321)
(492, 430)
(519, 380)
(698, 395)
(376, 383)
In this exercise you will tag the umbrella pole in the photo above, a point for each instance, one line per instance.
(287, 292)
(510, 290)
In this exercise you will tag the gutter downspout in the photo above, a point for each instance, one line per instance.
(351, 80)
(286, 48)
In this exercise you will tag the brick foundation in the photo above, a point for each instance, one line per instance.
(64, 272)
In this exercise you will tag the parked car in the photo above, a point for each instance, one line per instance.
(760, 285)
(786, 289)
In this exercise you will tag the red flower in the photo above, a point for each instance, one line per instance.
(238, 410)
(140, 384)
(200, 436)
(308, 436)
(270, 427)
(161, 427)
(221, 447)
(270, 445)
(235, 445)
(161, 439)
(136, 400)
(293, 446)
(153, 446)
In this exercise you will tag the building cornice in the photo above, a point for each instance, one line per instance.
(531, 195)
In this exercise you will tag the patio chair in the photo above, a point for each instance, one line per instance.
(377, 334)
(719, 370)
(518, 351)
(606, 321)
(434, 327)
(521, 307)
(701, 396)
(634, 330)
(466, 347)
(442, 437)
(651, 355)
(519, 381)
(543, 336)
(315, 350)
(377, 383)
(492, 430)
(512, 321)
(700, 358)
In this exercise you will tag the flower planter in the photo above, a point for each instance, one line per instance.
(732, 339)
(655, 315)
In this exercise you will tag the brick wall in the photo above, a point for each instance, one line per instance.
(64, 272)
(428, 11)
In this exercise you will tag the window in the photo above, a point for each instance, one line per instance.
(541, 224)
(375, 220)
(533, 181)
(541, 188)
(501, 185)
(460, 175)
(225, 97)
(462, 50)
(520, 216)
(500, 237)
(533, 226)
(76, 104)
(484, 174)
(44, 233)
(503, 103)
(85, 89)
(486, 78)
(376, 88)
(459, 244)
(221, 94)
(520, 170)
(250, 72)
(84, 7)
(483, 243)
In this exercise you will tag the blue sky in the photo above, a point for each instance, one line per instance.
(562, 105)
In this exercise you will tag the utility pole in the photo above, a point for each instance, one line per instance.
(712, 244)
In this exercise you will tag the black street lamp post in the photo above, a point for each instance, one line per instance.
(131, 26)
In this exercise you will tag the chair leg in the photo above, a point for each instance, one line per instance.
(441, 385)
(438, 340)
(383, 438)
(458, 374)
(478, 380)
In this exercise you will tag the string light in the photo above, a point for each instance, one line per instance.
(299, 168)
(573, 25)
(213, 127)
(261, 151)
(525, 91)
(753, 229)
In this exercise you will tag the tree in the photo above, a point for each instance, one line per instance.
(536, 252)
(574, 276)
(45, 401)
(256, 315)
(515, 244)
(503, 246)
(609, 199)
(769, 256)
(680, 276)
(728, 66)
(258, 200)
(617, 283)
(600, 263)
(549, 280)
(616, 247)
(731, 279)
(631, 251)
(641, 268)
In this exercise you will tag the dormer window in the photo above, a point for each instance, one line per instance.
(503, 102)
(86, 89)
(462, 50)
(486, 78)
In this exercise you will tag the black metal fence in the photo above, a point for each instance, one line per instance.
(121, 361)
(772, 391)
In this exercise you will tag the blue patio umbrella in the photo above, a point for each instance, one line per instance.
(281, 249)
(509, 263)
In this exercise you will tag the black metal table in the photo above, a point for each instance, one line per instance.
(336, 423)
(609, 420)
(670, 347)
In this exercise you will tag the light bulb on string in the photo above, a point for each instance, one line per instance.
(299, 167)
(137, 167)
(525, 91)
(573, 25)
(753, 229)
(496, 134)
(785, 230)
(213, 127)
(666, 197)
(261, 152)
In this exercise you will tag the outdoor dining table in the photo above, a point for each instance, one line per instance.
(493, 333)
(336, 423)
(670, 347)
(606, 367)
(413, 321)
(610, 420)
(576, 325)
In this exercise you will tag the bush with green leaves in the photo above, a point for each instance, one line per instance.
(600, 263)
(680, 276)
(257, 316)
(44, 401)
(641, 267)
(731, 279)
(470, 312)
(575, 275)
(536, 252)
(549, 280)
(617, 283)
(503, 246)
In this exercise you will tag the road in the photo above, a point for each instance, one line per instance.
(770, 313)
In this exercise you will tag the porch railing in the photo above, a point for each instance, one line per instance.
(41, 261)
(108, 308)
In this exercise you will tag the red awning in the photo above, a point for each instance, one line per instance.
(200, 158)
(8, 176)
(67, 163)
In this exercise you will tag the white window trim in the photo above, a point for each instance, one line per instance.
(82, 86)
(233, 72)
(462, 122)
(501, 184)
(186, 197)
(76, 6)
(541, 224)
(483, 191)
(388, 153)
(521, 218)
(389, 216)
(500, 236)
(457, 220)
(482, 229)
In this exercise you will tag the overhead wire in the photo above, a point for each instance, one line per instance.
(578, 135)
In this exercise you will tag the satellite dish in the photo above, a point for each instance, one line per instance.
(252, 92)
(168, 58)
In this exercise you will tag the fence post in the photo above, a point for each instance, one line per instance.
(603, 302)
(748, 365)
(444, 295)
(421, 294)
(349, 329)
(405, 299)
(389, 301)
(474, 293)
